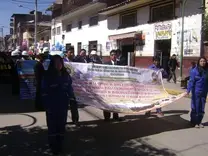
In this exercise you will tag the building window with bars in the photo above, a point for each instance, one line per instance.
(54, 31)
(80, 25)
(92, 46)
(79, 47)
(58, 31)
(162, 12)
(68, 27)
(128, 20)
(93, 21)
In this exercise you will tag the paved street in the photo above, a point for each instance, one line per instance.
(23, 132)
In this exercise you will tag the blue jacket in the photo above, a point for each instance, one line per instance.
(198, 84)
(56, 92)
(155, 68)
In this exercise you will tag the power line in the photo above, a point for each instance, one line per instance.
(30, 2)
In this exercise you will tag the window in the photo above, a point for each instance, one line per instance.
(68, 46)
(79, 47)
(162, 12)
(93, 21)
(58, 31)
(53, 31)
(80, 25)
(92, 45)
(68, 27)
(128, 20)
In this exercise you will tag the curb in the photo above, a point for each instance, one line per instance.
(174, 92)
(177, 92)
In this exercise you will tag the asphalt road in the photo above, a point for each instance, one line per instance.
(23, 132)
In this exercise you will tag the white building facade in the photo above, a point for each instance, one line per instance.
(83, 28)
(96, 26)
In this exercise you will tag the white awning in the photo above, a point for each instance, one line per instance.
(122, 36)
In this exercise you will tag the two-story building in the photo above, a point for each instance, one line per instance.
(159, 24)
(140, 28)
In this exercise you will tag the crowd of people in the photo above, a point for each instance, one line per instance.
(54, 89)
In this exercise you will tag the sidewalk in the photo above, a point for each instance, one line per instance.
(173, 88)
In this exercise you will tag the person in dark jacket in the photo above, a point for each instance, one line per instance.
(173, 64)
(198, 86)
(73, 103)
(121, 59)
(82, 57)
(94, 58)
(39, 73)
(113, 61)
(69, 56)
(56, 92)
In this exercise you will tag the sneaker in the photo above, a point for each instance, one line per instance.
(201, 126)
(197, 126)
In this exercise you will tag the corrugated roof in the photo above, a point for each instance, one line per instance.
(117, 5)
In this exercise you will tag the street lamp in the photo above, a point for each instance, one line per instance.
(183, 3)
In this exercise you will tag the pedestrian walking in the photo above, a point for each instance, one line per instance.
(56, 92)
(173, 64)
(198, 86)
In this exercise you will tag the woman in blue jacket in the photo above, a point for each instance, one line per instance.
(198, 86)
(56, 92)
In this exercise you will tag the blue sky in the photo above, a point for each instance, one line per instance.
(9, 7)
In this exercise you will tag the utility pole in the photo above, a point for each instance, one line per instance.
(183, 3)
(202, 27)
(36, 19)
(2, 38)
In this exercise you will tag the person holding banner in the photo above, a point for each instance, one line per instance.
(56, 92)
(82, 57)
(39, 72)
(113, 61)
(156, 67)
(69, 56)
(198, 86)
(73, 103)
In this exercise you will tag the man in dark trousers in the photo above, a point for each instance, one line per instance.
(39, 73)
(113, 61)
(73, 103)
(173, 64)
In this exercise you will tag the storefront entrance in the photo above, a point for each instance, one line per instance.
(162, 50)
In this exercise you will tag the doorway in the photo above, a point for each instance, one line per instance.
(125, 50)
(162, 50)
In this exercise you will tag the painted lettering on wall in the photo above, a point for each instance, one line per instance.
(163, 31)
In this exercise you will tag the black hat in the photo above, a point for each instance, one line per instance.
(155, 58)
(113, 52)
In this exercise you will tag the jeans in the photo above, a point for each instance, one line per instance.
(172, 75)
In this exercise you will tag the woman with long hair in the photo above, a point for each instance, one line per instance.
(56, 92)
(198, 86)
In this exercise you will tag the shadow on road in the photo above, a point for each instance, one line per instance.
(93, 138)
(13, 104)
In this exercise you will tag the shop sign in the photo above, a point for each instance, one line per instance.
(163, 31)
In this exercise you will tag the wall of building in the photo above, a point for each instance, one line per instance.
(97, 33)
(55, 39)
